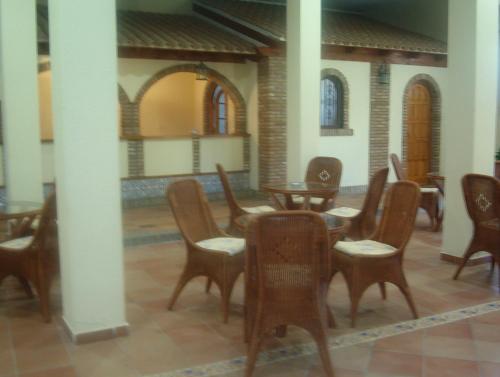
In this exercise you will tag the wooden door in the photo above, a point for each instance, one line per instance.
(419, 133)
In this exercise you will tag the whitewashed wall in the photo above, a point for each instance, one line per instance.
(352, 150)
(168, 156)
(227, 151)
(400, 76)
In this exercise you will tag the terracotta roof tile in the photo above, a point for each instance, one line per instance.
(340, 29)
(166, 31)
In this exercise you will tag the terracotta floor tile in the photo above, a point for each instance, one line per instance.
(490, 369)
(352, 358)
(489, 318)
(395, 364)
(486, 332)
(460, 329)
(448, 347)
(443, 367)
(488, 351)
(56, 372)
(407, 343)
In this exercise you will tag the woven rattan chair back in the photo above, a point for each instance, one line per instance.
(45, 238)
(191, 210)
(398, 167)
(287, 275)
(234, 207)
(367, 217)
(481, 197)
(326, 170)
(291, 249)
(399, 213)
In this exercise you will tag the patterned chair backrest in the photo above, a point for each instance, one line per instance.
(372, 198)
(326, 170)
(228, 192)
(482, 196)
(287, 259)
(46, 236)
(191, 210)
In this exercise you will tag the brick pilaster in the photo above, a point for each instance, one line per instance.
(379, 120)
(272, 119)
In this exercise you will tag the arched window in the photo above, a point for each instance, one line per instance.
(332, 109)
(218, 119)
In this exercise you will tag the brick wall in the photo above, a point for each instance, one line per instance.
(271, 79)
(379, 120)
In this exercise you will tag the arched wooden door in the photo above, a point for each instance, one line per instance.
(419, 133)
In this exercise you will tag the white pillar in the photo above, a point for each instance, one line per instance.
(84, 98)
(21, 118)
(303, 62)
(470, 109)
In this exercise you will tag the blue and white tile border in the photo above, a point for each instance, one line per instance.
(365, 336)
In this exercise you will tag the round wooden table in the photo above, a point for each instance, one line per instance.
(337, 226)
(305, 189)
(19, 216)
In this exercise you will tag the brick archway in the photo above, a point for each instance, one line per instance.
(431, 84)
(212, 75)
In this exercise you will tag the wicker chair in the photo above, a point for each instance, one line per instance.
(363, 222)
(482, 198)
(326, 170)
(380, 259)
(210, 251)
(34, 259)
(430, 195)
(235, 210)
(286, 279)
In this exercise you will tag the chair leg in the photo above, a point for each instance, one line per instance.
(208, 285)
(253, 350)
(322, 343)
(383, 291)
(473, 248)
(26, 286)
(183, 280)
(43, 289)
(405, 290)
(226, 290)
(355, 294)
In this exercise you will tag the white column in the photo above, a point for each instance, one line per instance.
(470, 109)
(21, 118)
(303, 62)
(84, 99)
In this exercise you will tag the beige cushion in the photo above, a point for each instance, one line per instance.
(229, 245)
(35, 223)
(343, 212)
(17, 243)
(429, 189)
(259, 209)
(364, 247)
(298, 199)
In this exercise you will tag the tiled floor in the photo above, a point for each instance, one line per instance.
(193, 334)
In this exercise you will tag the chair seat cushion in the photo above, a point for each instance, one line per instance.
(298, 199)
(17, 243)
(229, 245)
(429, 189)
(259, 209)
(364, 247)
(343, 212)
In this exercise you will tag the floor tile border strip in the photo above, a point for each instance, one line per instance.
(347, 340)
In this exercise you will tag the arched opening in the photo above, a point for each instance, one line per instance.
(175, 106)
(173, 85)
(421, 127)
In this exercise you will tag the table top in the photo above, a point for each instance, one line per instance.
(19, 208)
(312, 188)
